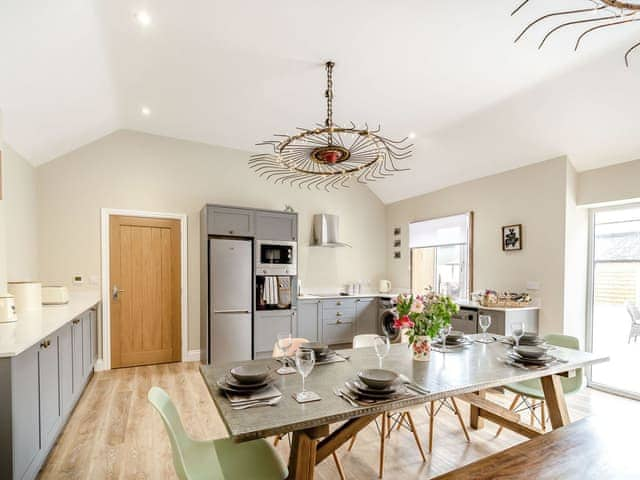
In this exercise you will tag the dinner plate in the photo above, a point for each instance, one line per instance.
(223, 385)
(231, 381)
(545, 360)
(369, 394)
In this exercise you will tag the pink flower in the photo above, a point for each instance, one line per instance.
(403, 322)
(418, 306)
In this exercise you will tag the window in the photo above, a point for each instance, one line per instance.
(441, 255)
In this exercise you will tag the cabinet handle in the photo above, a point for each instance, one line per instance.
(76, 321)
(230, 232)
(338, 322)
(338, 303)
(45, 344)
(338, 314)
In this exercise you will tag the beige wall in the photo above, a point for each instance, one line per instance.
(20, 209)
(130, 170)
(617, 183)
(534, 196)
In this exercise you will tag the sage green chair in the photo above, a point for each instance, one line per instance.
(529, 394)
(215, 459)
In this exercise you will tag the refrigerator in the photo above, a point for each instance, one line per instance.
(230, 300)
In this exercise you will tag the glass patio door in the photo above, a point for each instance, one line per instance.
(615, 298)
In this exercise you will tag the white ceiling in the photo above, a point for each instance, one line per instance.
(234, 73)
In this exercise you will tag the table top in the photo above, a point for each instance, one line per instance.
(446, 374)
(591, 448)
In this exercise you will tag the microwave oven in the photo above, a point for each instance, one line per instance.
(276, 258)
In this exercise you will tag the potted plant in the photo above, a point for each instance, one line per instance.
(422, 317)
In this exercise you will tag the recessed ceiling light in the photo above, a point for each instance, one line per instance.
(146, 111)
(143, 18)
(412, 135)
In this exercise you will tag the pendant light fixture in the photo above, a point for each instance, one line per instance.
(330, 155)
(597, 16)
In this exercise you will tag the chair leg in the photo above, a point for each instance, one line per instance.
(460, 419)
(382, 435)
(338, 466)
(432, 414)
(543, 419)
(353, 440)
(277, 440)
(511, 407)
(389, 425)
(402, 415)
(415, 435)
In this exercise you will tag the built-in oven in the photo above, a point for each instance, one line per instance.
(466, 320)
(276, 258)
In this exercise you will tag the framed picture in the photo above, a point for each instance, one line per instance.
(397, 243)
(397, 231)
(512, 237)
(397, 255)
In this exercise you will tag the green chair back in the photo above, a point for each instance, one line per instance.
(181, 444)
(533, 388)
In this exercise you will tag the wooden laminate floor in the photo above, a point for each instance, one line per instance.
(115, 434)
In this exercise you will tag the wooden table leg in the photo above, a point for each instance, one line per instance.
(302, 459)
(554, 398)
(475, 421)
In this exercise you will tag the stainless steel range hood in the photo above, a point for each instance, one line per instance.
(325, 231)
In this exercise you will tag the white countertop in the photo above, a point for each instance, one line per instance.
(469, 304)
(334, 296)
(32, 327)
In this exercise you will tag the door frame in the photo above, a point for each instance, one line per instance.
(106, 213)
(590, 296)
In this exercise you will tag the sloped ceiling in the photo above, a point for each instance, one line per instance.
(234, 73)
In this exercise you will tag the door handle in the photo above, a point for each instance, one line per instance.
(115, 293)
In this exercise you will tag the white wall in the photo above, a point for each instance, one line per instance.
(130, 170)
(576, 247)
(20, 207)
(534, 196)
(616, 183)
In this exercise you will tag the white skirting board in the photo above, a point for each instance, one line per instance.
(191, 356)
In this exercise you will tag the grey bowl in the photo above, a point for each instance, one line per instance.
(318, 348)
(528, 351)
(455, 334)
(250, 373)
(377, 378)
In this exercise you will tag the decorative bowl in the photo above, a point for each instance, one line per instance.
(377, 378)
(250, 373)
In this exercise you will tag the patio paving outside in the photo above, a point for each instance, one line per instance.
(611, 325)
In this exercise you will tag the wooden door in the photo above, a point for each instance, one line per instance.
(145, 291)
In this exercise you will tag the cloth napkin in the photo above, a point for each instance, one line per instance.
(266, 394)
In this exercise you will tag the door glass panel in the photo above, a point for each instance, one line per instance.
(616, 296)
(444, 269)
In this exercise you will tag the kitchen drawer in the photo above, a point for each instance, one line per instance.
(334, 333)
(339, 303)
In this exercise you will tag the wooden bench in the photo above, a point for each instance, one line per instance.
(592, 448)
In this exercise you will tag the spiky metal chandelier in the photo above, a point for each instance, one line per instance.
(330, 156)
(601, 13)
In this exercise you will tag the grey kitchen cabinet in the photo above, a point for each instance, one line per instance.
(307, 319)
(24, 416)
(94, 336)
(38, 389)
(338, 321)
(49, 391)
(267, 325)
(76, 356)
(276, 226)
(65, 354)
(230, 221)
(87, 356)
(502, 320)
(366, 315)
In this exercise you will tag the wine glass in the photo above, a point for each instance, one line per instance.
(382, 346)
(517, 330)
(444, 331)
(305, 360)
(485, 323)
(284, 343)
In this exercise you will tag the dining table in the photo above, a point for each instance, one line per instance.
(466, 373)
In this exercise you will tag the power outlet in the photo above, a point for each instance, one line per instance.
(533, 285)
(78, 279)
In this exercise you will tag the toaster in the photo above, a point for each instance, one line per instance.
(55, 295)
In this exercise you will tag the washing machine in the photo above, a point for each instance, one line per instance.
(386, 318)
